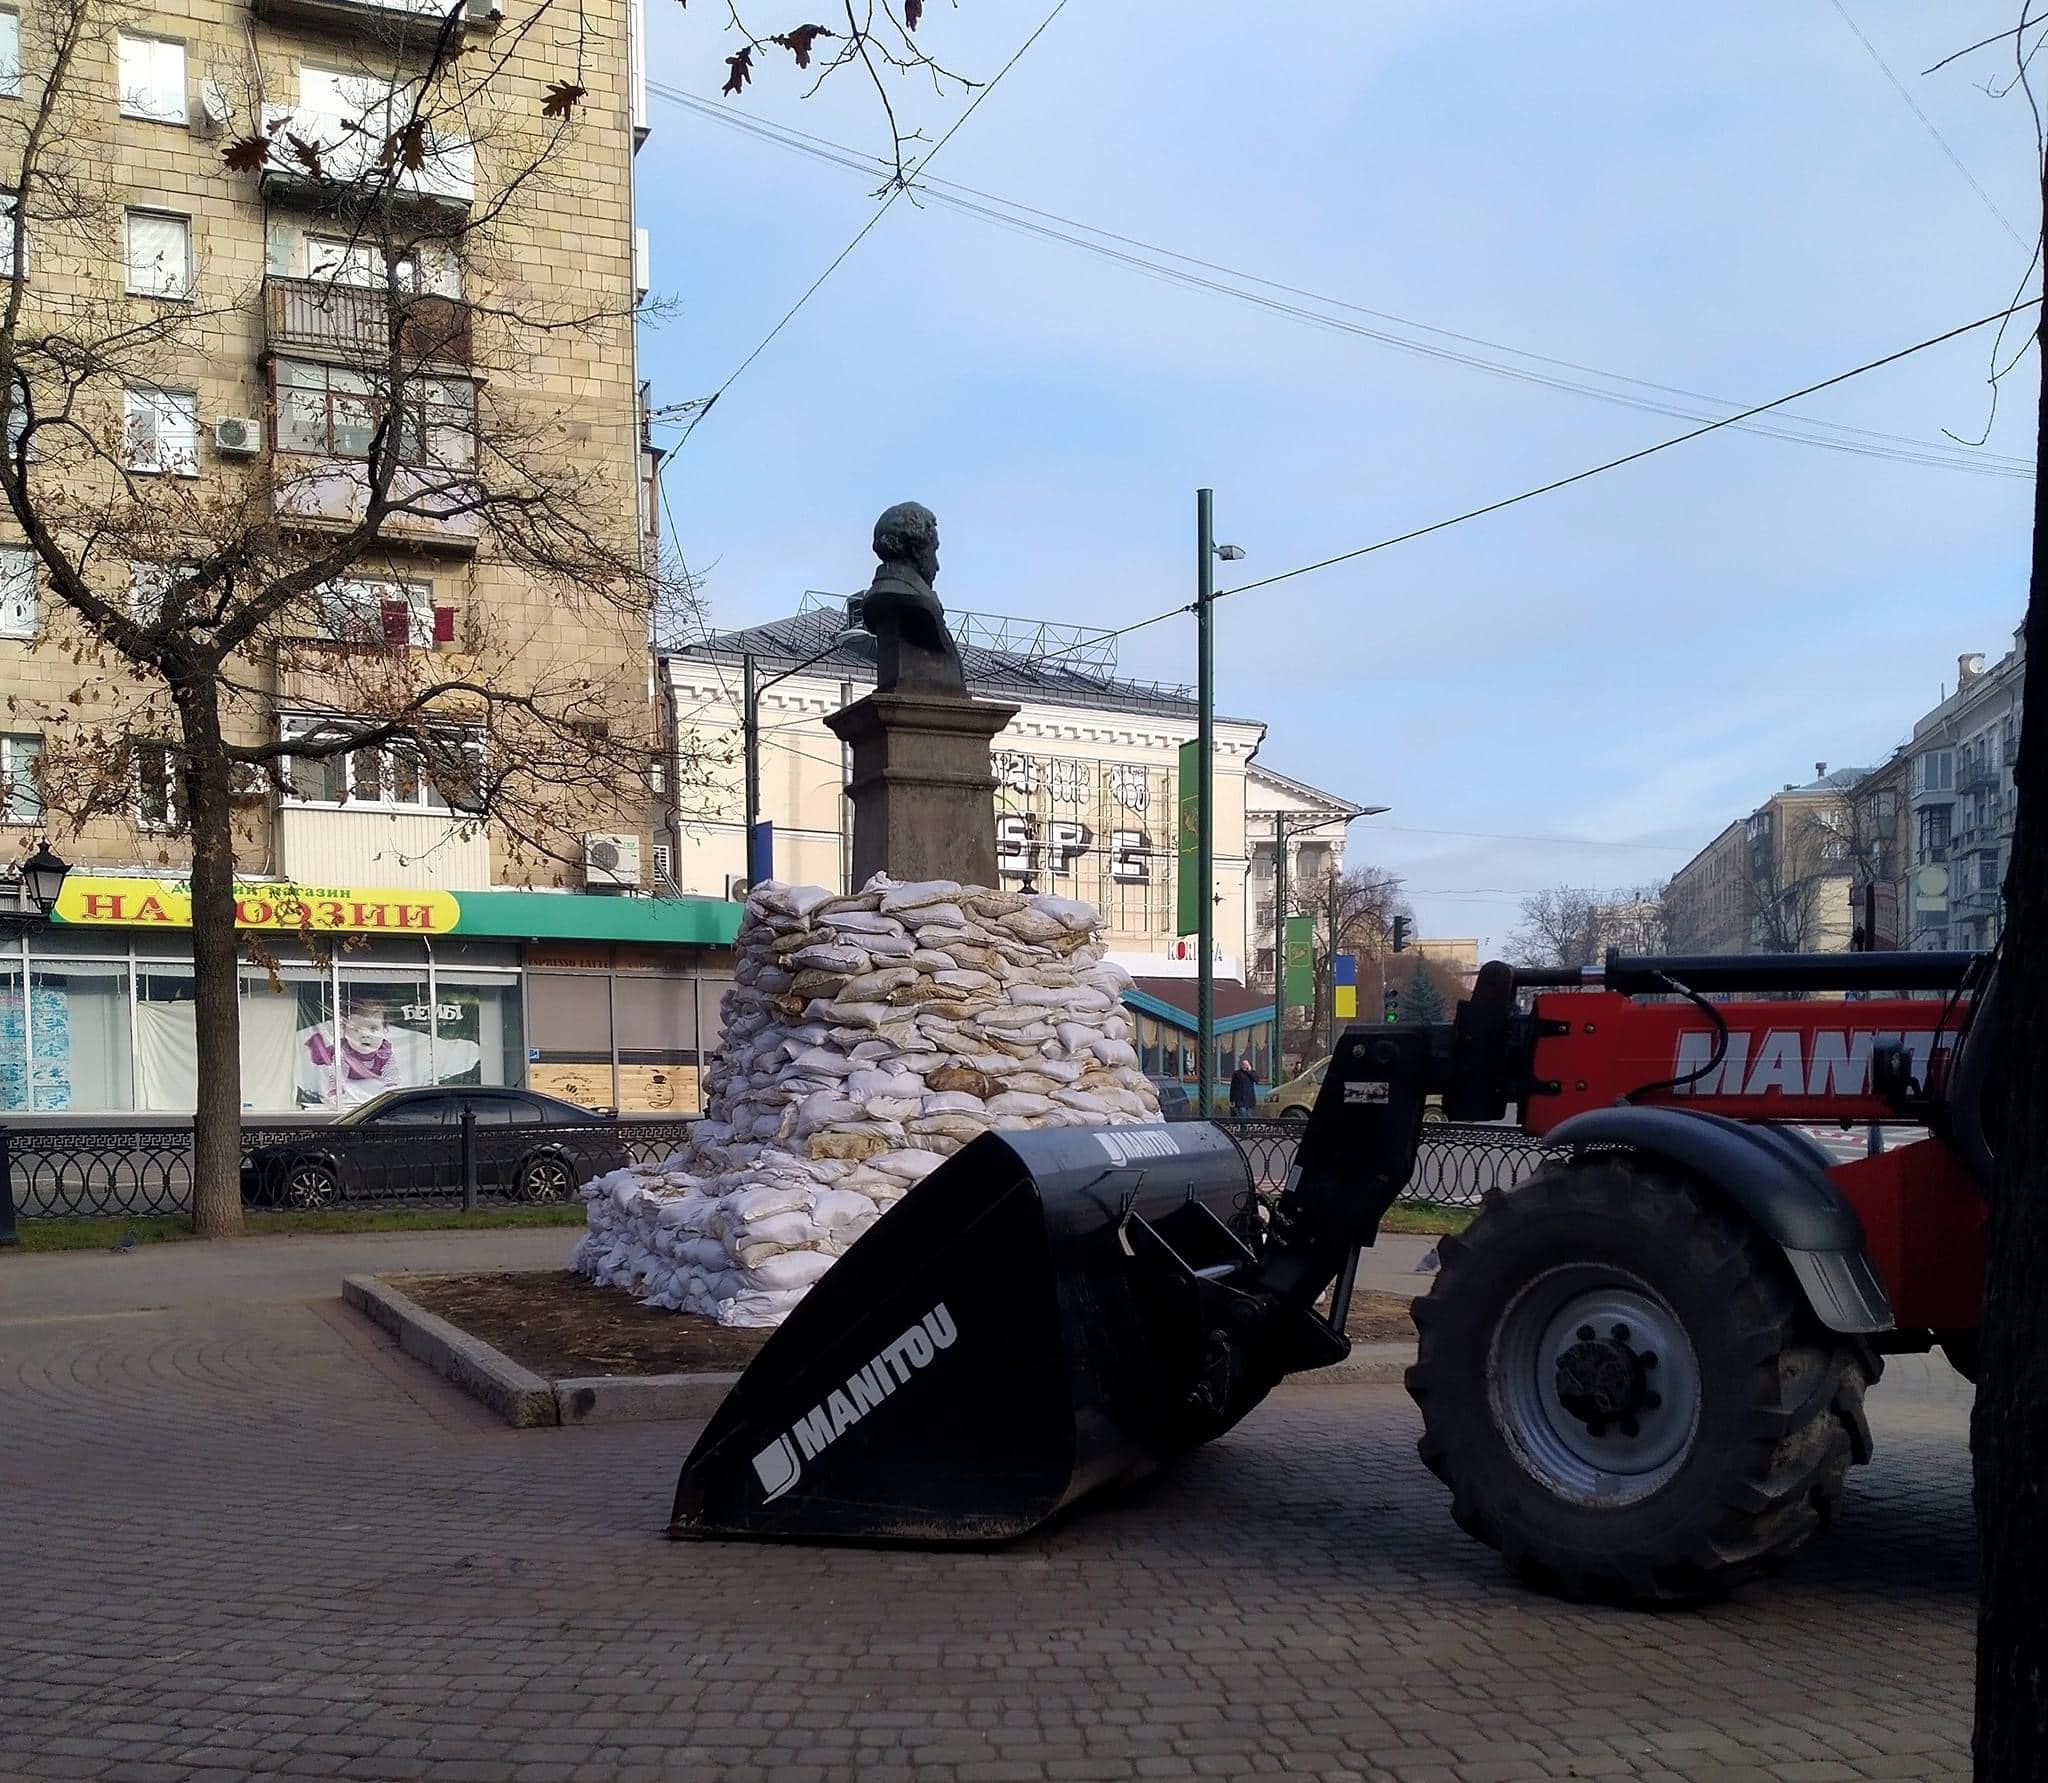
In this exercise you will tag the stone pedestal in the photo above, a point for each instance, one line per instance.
(922, 788)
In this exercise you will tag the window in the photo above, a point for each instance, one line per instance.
(152, 77)
(438, 773)
(149, 584)
(10, 55)
(163, 431)
(1936, 770)
(21, 799)
(357, 263)
(159, 254)
(378, 612)
(157, 804)
(17, 592)
(1934, 832)
(333, 410)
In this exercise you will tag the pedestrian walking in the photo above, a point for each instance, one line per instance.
(1244, 1090)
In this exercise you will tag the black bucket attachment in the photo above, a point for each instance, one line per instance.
(1044, 1314)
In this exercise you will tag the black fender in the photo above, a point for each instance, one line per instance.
(1779, 1182)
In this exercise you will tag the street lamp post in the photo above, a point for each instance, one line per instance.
(1207, 552)
(41, 883)
(751, 690)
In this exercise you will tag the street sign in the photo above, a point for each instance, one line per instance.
(1188, 866)
(1300, 960)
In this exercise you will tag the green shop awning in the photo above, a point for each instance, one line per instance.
(558, 916)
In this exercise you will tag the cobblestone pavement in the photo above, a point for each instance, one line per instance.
(245, 1536)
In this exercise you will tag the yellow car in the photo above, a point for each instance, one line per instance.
(1293, 1099)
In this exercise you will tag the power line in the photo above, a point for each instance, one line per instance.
(1680, 439)
(896, 191)
(1640, 393)
(1565, 482)
(1941, 141)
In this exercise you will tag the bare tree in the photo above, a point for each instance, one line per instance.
(1575, 925)
(2009, 1425)
(208, 605)
(1803, 857)
(1366, 902)
(1557, 929)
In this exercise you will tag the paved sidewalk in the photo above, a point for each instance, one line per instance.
(247, 1537)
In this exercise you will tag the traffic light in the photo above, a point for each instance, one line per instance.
(1400, 933)
(1392, 1000)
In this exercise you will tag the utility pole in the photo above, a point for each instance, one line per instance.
(1205, 798)
(751, 732)
(1330, 974)
(1279, 940)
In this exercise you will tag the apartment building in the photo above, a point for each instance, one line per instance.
(1960, 805)
(1779, 881)
(284, 202)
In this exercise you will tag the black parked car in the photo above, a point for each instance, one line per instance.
(410, 1142)
(1175, 1104)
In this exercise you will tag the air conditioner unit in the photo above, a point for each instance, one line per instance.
(736, 888)
(239, 435)
(611, 860)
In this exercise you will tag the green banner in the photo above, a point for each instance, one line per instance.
(1301, 973)
(1188, 793)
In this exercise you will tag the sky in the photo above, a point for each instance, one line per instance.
(1731, 200)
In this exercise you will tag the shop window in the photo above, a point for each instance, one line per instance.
(78, 1037)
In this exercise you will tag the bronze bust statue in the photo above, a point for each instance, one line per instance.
(915, 653)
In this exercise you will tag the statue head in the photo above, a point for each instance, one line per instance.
(909, 533)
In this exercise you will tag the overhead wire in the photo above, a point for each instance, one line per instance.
(1638, 393)
(1913, 105)
(898, 186)
(1556, 483)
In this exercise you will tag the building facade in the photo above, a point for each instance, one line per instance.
(1313, 823)
(1960, 804)
(1086, 773)
(392, 939)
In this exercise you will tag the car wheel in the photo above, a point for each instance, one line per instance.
(308, 1186)
(546, 1178)
(1294, 1114)
(1434, 1116)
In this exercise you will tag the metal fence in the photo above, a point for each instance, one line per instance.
(82, 1172)
(1454, 1167)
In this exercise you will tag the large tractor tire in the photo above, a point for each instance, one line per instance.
(1625, 1391)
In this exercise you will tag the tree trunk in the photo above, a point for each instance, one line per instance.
(216, 971)
(2009, 1428)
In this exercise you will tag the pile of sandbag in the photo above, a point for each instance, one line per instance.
(866, 1038)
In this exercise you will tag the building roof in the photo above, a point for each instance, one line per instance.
(1009, 674)
(1234, 1005)
(1313, 797)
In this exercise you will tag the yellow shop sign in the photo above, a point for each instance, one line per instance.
(269, 904)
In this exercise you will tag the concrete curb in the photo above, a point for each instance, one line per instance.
(524, 1399)
(516, 1394)
(640, 1399)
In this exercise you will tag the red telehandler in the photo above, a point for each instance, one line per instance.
(1641, 1371)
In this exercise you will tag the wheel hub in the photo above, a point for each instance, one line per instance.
(1594, 1384)
(1603, 1382)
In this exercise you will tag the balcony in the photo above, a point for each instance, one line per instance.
(1978, 776)
(381, 16)
(341, 152)
(320, 492)
(353, 322)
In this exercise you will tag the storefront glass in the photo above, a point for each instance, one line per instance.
(13, 1038)
(82, 1059)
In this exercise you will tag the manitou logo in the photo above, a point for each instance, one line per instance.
(780, 1464)
(1127, 1143)
(1791, 1061)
